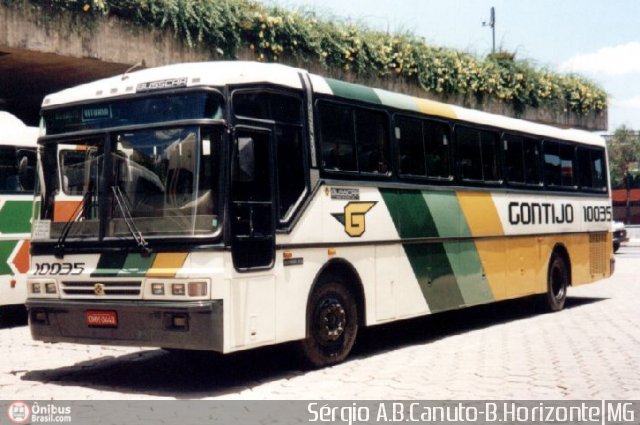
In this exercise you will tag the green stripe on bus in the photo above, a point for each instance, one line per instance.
(15, 217)
(136, 265)
(110, 264)
(463, 255)
(465, 262)
(431, 267)
(353, 91)
(6, 247)
(429, 261)
(409, 213)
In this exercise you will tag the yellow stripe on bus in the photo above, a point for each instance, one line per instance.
(431, 107)
(481, 214)
(167, 264)
(482, 218)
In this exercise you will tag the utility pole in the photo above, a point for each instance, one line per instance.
(492, 24)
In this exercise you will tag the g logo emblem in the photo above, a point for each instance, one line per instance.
(353, 217)
(98, 289)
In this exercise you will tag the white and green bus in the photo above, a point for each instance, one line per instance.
(230, 205)
(17, 176)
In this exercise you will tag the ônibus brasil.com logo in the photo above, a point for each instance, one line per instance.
(19, 412)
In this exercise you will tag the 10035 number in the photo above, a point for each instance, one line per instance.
(59, 269)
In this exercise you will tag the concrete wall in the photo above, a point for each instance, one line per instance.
(50, 53)
(106, 40)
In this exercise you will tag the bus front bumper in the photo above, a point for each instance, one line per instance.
(193, 325)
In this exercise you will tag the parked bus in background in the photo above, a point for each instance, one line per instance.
(17, 175)
(230, 205)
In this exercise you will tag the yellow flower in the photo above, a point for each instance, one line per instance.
(86, 7)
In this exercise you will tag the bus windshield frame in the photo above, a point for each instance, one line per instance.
(159, 181)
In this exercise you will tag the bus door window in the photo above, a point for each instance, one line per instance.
(285, 111)
(252, 222)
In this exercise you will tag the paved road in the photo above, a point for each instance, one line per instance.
(508, 350)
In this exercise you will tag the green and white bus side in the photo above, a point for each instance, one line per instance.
(17, 175)
(230, 205)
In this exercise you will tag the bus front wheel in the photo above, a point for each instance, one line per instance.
(557, 283)
(332, 323)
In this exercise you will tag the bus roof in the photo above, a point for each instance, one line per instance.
(241, 72)
(14, 132)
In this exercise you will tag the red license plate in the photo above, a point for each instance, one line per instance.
(106, 319)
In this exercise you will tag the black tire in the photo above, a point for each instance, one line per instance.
(557, 283)
(332, 323)
(616, 246)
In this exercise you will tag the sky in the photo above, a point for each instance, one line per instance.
(595, 38)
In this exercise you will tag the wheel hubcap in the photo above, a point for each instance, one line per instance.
(331, 321)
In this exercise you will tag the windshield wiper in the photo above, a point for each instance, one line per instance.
(77, 213)
(128, 219)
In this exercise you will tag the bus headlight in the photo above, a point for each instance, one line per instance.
(157, 289)
(50, 288)
(42, 288)
(177, 289)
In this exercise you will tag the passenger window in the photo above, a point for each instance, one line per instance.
(521, 160)
(372, 141)
(354, 139)
(26, 169)
(469, 156)
(531, 153)
(591, 169)
(477, 154)
(437, 149)
(17, 169)
(338, 138)
(514, 159)
(567, 166)
(423, 147)
(559, 164)
(490, 163)
(410, 147)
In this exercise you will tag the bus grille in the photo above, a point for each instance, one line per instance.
(101, 289)
(598, 253)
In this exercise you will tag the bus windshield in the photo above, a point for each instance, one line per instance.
(160, 182)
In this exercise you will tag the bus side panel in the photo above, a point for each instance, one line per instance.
(15, 216)
(293, 284)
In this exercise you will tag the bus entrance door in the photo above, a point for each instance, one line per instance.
(252, 193)
(252, 237)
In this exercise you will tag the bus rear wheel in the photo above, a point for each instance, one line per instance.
(332, 323)
(557, 283)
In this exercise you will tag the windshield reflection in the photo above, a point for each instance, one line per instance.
(158, 182)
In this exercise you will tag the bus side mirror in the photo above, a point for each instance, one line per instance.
(244, 165)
